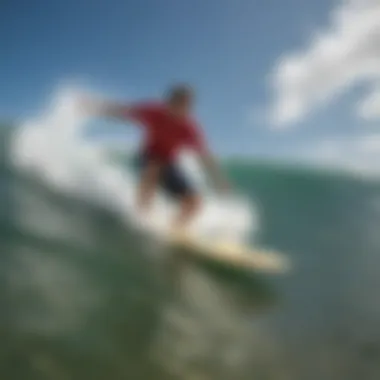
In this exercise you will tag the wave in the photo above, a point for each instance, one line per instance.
(53, 148)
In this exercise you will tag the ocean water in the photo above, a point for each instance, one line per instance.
(83, 295)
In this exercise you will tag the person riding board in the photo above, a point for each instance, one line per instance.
(169, 127)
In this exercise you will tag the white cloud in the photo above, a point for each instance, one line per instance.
(345, 54)
(369, 108)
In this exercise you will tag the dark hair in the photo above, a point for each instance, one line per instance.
(179, 93)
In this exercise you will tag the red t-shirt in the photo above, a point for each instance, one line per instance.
(165, 133)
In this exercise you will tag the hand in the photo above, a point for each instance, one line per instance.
(89, 105)
(224, 187)
(220, 182)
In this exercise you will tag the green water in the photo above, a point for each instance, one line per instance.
(82, 298)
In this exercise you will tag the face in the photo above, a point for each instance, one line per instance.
(182, 107)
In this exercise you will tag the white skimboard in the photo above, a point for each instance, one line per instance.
(232, 254)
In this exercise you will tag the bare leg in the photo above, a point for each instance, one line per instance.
(189, 206)
(148, 184)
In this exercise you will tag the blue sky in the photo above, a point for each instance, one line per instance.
(229, 49)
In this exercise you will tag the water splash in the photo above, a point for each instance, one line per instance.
(53, 148)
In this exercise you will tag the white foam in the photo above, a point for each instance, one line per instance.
(53, 148)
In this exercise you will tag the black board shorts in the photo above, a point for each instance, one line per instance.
(172, 179)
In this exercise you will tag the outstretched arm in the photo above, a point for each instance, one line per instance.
(214, 170)
(209, 162)
(103, 108)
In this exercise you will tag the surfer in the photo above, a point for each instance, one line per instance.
(169, 127)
